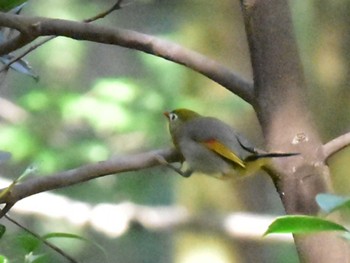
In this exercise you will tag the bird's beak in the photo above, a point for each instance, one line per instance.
(166, 114)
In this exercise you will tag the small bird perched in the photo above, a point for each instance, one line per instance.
(212, 147)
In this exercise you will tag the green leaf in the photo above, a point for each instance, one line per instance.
(2, 230)
(74, 236)
(63, 235)
(299, 224)
(331, 202)
(28, 242)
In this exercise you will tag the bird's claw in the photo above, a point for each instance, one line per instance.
(162, 161)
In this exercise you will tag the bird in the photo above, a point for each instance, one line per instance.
(212, 147)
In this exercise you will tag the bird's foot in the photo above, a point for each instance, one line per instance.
(162, 161)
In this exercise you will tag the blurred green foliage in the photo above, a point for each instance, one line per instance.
(95, 101)
(7, 5)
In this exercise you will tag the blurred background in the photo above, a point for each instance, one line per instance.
(95, 101)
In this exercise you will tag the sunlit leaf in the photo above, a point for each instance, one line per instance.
(3, 259)
(331, 202)
(2, 230)
(299, 224)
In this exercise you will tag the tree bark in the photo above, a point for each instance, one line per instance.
(282, 108)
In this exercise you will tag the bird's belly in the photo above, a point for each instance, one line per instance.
(201, 159)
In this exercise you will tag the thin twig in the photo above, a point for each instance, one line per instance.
(47, 243)
(115, 7)
(6, 208)
(336, 145)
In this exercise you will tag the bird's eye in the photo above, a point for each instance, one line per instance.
(172, 116)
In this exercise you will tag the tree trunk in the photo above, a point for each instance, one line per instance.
(282, 108)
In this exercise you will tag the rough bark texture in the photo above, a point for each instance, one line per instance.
(282, 109)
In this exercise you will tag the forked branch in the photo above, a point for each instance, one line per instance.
(34, 27)
(14, 42)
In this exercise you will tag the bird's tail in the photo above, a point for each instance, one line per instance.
(256, 154)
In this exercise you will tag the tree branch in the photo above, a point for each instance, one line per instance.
(15, 43)
(336, 145)
(87, 172)
(116, 6)
(38, 26)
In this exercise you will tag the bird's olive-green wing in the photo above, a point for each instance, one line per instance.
(225, 152)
